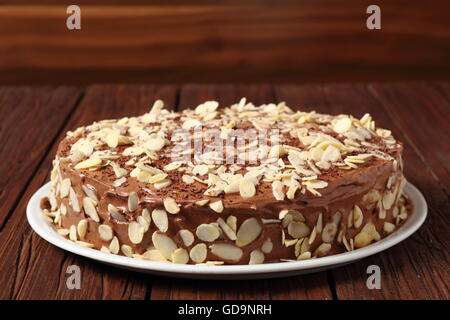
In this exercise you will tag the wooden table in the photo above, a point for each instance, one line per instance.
(34, 119)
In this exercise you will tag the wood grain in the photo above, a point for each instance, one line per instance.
(423, 105)
(302, 287)
(23, 143)
(224, 41)
(417, 268)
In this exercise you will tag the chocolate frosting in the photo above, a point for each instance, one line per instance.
(344, 190)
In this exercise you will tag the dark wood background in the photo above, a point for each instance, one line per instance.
(278, 41)
(34, 119)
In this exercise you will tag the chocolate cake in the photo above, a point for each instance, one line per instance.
(239, 185)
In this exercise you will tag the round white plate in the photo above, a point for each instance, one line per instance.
(270, 270)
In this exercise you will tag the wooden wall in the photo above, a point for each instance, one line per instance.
(223, 41)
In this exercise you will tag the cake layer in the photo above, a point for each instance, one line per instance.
(236, 185)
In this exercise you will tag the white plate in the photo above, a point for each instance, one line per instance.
(270, 270)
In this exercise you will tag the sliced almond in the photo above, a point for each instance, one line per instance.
(312, 236)
(146, 215)
(290, 194)
(180, 256)
(198, 253)
(231, 234)
(227, 251)
(157, 178)
(388, 200)
(155, 144)
(63, 209)
(85, 244)
(173, 166)
(319, 223)
(329, 232)
(336, 217)
(76, 156)
(298, 246)
(346, 244)
(74, 200)
(388, 227)
(114, 139)
(154, 255)
(162, 184)
(322, 250)
(171, 205)
(65, 188)
(232, 222)
(207, 232)
(89, 163)
(135, 232)
(290, 242)
(357, 216)
(256, 257)
(200, 169)
(114, 246)
(304, 256)
(160, 219)
(164, 244)
(89, 209)
(233, 187)
(187, 179)
(115, 214)
(372, 231)
(342, 125)
(105, 232)
(305, 244)
(127, 250)
(277, 190)
(249, 231)
(119, 182)
(105, 249)
(267, 246)
(73, 233)
(82, 228)
(331, 154)
(187, 237)
(372, 196)
(216, 206)
(362, 239)
(143, 222)
(350, 219)
(118, 171)
(201, 203)
(133, 201)
(297, 229)
(277, 151)
(63, 232)
(340, 236)
(247, 188)
(90, 193)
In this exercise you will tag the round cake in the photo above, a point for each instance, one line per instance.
(244, 184)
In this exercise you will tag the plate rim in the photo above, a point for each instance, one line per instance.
(48, 233)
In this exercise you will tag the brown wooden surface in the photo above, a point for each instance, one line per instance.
(35, 119)
(227, 41)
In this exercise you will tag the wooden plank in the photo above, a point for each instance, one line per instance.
(31, 119)
(418, 267)
(198, 41)
(30, 267)
(301, 287)
(443, 88)
(425, 120)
